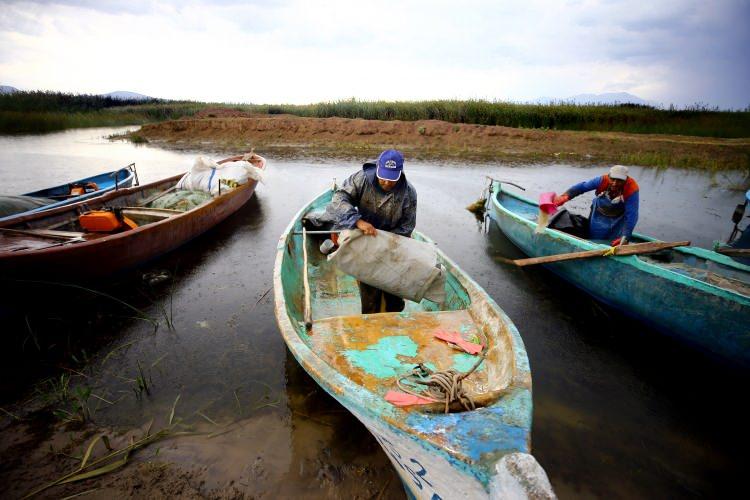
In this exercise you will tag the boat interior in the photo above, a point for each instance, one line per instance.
(687, 264)
(63, 227)
(375, 350)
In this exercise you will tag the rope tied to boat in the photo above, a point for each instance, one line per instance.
(445, 386)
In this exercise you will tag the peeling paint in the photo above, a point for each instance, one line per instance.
(382, 359)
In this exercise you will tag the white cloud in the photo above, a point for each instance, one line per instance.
(302, 51)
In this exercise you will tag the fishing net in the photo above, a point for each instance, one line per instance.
(181, 200)
(10, 205)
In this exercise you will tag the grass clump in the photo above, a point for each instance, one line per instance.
(138, 139)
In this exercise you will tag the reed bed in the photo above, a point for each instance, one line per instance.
(36, 112)
(697, 120)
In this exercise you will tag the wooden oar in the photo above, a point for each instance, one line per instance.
(739, 252)
(46, 233)
(634, 249)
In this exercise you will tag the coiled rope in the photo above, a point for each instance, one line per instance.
(444, 386)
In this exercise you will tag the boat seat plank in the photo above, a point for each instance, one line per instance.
(374, 350)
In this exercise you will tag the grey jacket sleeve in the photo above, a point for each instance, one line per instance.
(344, 201)
(408, 220)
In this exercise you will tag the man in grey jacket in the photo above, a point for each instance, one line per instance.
(378, 197)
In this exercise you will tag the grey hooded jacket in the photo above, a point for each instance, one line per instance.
(361, 197)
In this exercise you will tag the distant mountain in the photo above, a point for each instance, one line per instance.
(125, 95)
(7, 89)
(606, 98)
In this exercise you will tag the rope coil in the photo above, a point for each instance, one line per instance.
(445, 386)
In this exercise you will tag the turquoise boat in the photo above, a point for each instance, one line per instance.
(358, 359)
(15, 207)
(693, 294)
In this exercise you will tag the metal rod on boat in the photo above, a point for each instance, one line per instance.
(506, 182)
(308, 307)
(304, 231)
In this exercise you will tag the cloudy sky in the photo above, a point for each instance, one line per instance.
(298, 51)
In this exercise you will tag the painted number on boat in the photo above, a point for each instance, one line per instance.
(411, 465)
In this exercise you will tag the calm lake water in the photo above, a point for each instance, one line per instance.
(619, 411)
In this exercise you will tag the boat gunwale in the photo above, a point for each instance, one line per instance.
(198, 211)
(631, 260)
(372, 404)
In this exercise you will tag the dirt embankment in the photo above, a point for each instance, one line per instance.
(437, 139)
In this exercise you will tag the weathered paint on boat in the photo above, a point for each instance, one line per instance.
(107, 181)
(106, 254)
(357, 358)
(702, 297)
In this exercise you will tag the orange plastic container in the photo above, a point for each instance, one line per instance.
(105, 221)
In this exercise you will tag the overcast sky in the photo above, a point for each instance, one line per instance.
(297, 51)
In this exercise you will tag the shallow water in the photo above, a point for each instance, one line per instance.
(619, 411)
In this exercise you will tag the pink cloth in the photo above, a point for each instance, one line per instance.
(397, 398)
(547, 202)
(455, 338)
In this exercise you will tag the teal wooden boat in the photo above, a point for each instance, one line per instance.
(358, 358)
(696, 295)
(63, 195)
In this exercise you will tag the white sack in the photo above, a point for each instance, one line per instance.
(398, 265)
(205, 174)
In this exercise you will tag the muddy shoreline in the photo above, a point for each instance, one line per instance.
(431, 139)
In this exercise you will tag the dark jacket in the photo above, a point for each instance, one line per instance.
(361, 197)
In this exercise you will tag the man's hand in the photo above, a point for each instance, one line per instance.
(366, 227)
(561, 199)
(622, 240)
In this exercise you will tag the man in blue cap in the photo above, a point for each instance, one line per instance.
(377, 198)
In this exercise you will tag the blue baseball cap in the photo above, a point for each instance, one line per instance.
(390, 165)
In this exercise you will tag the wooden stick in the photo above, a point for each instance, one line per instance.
(635, 249)
(157, 196)
(734, 251)
(308, 307)
(46, 233)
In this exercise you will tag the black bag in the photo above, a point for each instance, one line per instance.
(574, 224)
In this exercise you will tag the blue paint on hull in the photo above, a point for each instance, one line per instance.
(701, 314)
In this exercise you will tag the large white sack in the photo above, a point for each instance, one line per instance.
(206, 175)
(396, 264)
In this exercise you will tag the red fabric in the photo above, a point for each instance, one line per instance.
(456, 339)
(397, 398)
(628, 189)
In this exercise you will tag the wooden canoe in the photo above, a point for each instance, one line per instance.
(60, 196)
(51, 244)
(696, 295)
(358, 358)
